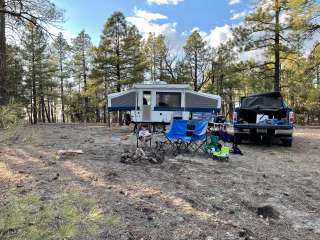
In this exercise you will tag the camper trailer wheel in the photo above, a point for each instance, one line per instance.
(127, 119)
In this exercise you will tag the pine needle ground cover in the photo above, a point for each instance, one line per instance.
(65, 216)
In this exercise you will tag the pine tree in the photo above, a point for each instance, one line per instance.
(156, 51)
(34, 46)
(3, 61)
(134, 57)
(81, 48)
(197, 59)
(16, 14)
(112, 43)
(272, 26)
(120, 54)
(62, 49)
(15, 74)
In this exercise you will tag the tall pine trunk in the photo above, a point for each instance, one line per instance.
(3, 68)
(34, 90)
(49, 110)
(195, 72)
(62, 91)
(86, 100)
(42, 101)
(318, 76)
(119, 81)
(277, 65)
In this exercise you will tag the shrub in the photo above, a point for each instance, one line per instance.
(10, 115)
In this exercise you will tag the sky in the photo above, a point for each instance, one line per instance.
(176, 19)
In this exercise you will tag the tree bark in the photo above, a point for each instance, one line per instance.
(195, 72)
(42, 101)
(277, 49)
(34, 90)
(62, 90)
(118, 81)
(49, 110)
(318, 76)
(3, 65)
(86, 100)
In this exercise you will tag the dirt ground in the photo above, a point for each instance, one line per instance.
(186, 197)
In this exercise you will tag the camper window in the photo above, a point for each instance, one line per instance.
(146, 98)
(168, 99)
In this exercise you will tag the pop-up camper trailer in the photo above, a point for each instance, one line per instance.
(160, 103)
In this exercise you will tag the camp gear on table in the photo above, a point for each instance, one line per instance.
(144, 135)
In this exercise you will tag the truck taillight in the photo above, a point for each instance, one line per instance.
(291, 117)
(235, 117)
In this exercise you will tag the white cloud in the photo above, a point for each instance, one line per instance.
(164, 2)
(148, 15)
(233, 2)
(146, 23)
(218, 35)
(239, 15)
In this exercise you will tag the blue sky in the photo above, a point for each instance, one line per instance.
(174, 18)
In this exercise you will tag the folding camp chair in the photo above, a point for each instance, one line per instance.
(223, 154)
(216, 150)
(177, 135)
(214, 144)
(199, 136)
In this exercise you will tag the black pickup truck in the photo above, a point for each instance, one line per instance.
(262, 117)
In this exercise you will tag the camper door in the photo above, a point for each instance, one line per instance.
(146, 106)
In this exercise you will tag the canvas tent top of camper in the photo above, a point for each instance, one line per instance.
(161, 102)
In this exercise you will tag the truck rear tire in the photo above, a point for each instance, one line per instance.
(287, 142)
(237, 138)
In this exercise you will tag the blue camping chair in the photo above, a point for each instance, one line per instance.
(177, 135)
(199, 136)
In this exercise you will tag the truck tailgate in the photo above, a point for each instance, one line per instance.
(261, 126)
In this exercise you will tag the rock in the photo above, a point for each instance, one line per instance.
(56, 177)
(153, 160)
(268, 211)
(246, 233)
(232, 211)
(216, 207)
(180, 219)
(230, 236)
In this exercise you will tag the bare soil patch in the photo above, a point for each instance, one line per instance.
(186, 197)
